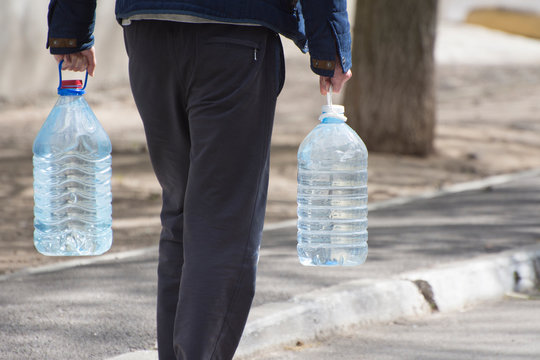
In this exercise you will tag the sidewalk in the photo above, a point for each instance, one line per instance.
(504, 330)
(445, 251)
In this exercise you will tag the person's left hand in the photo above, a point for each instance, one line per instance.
(337, 81)
(79, 61)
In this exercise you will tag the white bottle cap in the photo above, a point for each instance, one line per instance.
(333, 109)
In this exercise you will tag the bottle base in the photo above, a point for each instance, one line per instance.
(70, 246)
(332, 255)
(72, 253)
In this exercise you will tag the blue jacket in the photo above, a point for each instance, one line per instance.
(318, 26)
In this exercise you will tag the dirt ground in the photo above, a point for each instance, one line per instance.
(487, 124)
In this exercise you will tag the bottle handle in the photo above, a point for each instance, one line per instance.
(329, 96)
(331, 110)
(60, 77)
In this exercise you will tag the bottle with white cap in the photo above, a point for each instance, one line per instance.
(332, 193)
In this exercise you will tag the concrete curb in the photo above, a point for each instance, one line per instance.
(326, 310)
(445, 288)
(138, 355)
(462, 284)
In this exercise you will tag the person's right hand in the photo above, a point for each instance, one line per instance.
(79, 61)
(337, 81)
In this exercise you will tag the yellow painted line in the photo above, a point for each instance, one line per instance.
(514, 22)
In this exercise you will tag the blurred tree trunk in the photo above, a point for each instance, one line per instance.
(390, 100)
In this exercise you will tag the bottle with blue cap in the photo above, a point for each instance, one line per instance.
(332, 193)
(72, 178)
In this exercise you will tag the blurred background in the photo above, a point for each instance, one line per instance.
(443, 92)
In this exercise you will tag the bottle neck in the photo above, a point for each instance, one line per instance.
(71, 92)
(335, 114)
(330, 119)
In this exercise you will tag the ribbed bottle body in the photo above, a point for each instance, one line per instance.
(72, 182)
(332, 196)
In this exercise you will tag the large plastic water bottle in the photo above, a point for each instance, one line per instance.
(332, 193)
(72, 178)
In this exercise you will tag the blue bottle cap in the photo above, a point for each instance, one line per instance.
(70, 87)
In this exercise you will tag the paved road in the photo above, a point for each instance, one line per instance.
(505, 330)
(105, 309)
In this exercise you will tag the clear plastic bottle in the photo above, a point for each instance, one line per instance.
(72, 179)
(332, 193)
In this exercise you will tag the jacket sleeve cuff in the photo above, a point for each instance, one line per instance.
(323, 67)
(71, 25)
(59, 46)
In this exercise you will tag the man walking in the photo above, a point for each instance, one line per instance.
(205, 76)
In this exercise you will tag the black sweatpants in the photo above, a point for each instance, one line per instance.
(206, 94)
